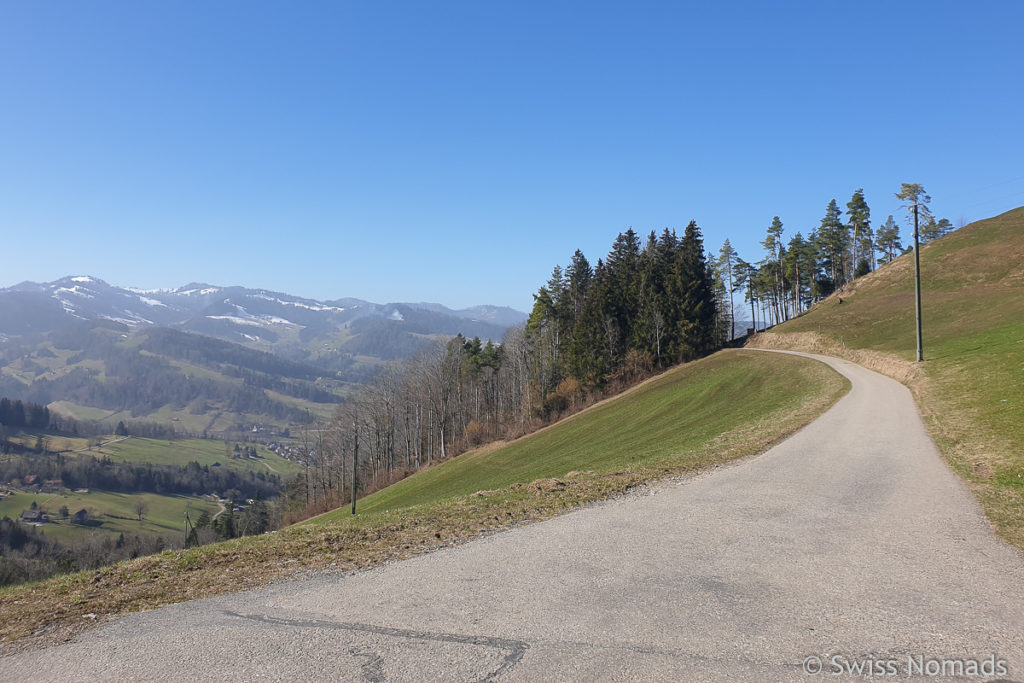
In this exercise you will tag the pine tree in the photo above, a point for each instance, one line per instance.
(914, 198)
(860, 224)
(772, 243)
(725, 267)
(933, 230)
(889, 244)
(743, 275)
(799, 269)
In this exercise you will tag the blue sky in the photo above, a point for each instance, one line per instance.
(455, 152)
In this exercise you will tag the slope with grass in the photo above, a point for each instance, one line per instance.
(971, 385)
(109, 513)
(180, 452)
(696, 415)
(112, 512)
(729, 405)
(172, 452)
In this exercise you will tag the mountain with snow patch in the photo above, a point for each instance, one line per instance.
(271, 321)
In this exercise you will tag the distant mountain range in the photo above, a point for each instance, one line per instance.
(32, 307)
(62, 342)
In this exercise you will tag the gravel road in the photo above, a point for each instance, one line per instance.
(852, 542)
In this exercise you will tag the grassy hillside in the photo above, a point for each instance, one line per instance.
(180, 452)
(971, 384)
(101, 371)
(695, 415)
(175, 452)
(110, 513)
(729, 405)
(113, 513)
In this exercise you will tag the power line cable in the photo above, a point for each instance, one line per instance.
(958, 195)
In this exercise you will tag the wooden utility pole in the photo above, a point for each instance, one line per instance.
(917, 285)
(355, 465)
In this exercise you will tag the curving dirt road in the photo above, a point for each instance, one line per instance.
(851, 541)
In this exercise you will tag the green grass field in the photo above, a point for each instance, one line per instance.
(177, 452)
(204, 451)
(52, 442)
(972, 390)
(78, 412)
(210, 418)
(114, 511)
(324, 411)
(702, 413)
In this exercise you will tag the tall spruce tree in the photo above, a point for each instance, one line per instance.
(832, 239)
(649, 328)
(691, 285)
(578, 277)
(588, 359)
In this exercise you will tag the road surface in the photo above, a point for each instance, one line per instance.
(851, 542)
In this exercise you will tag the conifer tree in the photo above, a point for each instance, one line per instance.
(588, 348)
(773, 274)
(691, 286)
(743, 274)
(578, 277)
(799, 269)
(725, 267)
(933, 230)
(913, 194)
(832, 239)
(623, 295)
(889, 244)
(860, 225)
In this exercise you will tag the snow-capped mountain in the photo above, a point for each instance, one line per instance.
(273, 321)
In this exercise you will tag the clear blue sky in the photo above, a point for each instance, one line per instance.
(455, 152)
